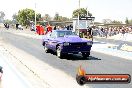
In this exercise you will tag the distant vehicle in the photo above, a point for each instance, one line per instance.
(20, 27)
(1, 72)
(64, 42)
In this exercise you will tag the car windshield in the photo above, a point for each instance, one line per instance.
(63, 33)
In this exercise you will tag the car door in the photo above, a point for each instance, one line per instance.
(47, 39)
(53, 40)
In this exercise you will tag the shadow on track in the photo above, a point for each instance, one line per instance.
(79, 57)
(75, 57)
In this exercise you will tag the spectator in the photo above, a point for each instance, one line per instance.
(7, 26)
(54, 27)
(17, 26)
(68, 27)
(71, 27)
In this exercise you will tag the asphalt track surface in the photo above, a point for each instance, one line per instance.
(97, 63)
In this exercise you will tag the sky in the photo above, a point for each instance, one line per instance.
(101, 9)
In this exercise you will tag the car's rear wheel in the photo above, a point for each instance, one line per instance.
(46, 49)
(59, 52)
(85, 55)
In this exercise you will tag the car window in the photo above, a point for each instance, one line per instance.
(74, 33)
(53, 35)
(63, 33)
(48, 35)
(68, 33)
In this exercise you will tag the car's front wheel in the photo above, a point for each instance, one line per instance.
(85, 55)
(59, 52)
(46, 49)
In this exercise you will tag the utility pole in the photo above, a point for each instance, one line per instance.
(78, 14)
(79, 4)
(35, 16)
(87, 16)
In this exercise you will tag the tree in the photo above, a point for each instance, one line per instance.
(81, 12)
(7, 21)
(56, 17)
(116, 22)
(47, 17)
(26, 15)
(14, 17)
(60, 18)
(127, 21)
(107, 21)
(2, 15)
(65, 19)
(38, 17)
(130, 21)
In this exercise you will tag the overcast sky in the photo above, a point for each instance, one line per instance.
(101, 9)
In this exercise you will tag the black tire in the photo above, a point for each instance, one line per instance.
(46, 49)
(65, 55)
(59, 53)
(85, 55)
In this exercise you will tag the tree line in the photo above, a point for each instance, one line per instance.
(25, 16)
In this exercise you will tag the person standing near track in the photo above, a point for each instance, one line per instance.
(1, 72)
(49, 29)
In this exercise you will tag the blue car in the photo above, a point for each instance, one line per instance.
(64, 42)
